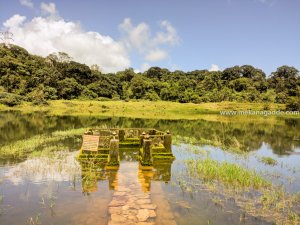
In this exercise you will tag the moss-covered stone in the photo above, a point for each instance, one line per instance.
(159, 149)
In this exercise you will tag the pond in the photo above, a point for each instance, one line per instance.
(41, 182)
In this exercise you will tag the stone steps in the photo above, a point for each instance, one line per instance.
(131, 203)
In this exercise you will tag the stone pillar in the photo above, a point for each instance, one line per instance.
(121, 135)
(142, 136)
(146, 157)
(168, 141)
(114, 151)
(130, 135)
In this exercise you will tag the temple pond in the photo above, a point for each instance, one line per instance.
(224, 171)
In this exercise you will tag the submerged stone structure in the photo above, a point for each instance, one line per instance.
(103, 145)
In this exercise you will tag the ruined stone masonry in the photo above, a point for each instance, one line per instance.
(102, 145)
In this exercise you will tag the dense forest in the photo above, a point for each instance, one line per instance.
(26, 77)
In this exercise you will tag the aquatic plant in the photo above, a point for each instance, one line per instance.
(34, 220)
(229, 174)
(22, 148)
(252, 193)
(268, 160)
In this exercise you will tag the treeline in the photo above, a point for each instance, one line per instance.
(38, 79)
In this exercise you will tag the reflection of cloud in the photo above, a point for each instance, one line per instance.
(63, 168)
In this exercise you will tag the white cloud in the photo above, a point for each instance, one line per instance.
(156, 55)
(15, 21)
(135, 37)
(149, 46)
(267, 2)
(169, 36)
(145, 66)
(27, 3)
(48, 9)
(214, 67)
(42, 36)
(50, 33)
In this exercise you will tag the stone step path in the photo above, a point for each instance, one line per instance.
(131, 203)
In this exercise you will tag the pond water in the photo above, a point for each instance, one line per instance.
(45, 184)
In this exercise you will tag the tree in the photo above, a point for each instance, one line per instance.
(156, 73)
(240, 84)
(126, 75)
(285, 79)
(231, 73)
(69, 88)
(139, 87)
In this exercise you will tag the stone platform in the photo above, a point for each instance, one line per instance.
(102, 145)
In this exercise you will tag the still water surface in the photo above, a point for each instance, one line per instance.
(59, 190)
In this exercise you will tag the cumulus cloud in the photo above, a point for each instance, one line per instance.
(156, 55)
(145, 66)
(135, 37)
(27, 3)
(15, 21)
(168, 36)
(214, 67)
(48, 9)
(49, 33)
(138, 37)
(45, 35)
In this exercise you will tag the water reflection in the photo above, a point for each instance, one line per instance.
(243, 133)
(92, 173)
(63, 191)
(59, 168)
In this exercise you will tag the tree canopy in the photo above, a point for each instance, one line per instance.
(59, 77)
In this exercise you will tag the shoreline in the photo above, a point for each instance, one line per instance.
(147, 109)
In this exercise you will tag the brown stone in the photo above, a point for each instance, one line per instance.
(143, 215)
(115, 203)
(143, 201)
(115, 210)
(148, 206)
(142, 195)
(119, 193)
(117, 218)
(152, 213)
(145, 223)
(123, 189)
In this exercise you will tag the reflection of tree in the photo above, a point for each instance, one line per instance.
(249, 136)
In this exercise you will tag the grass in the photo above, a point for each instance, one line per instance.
(3, 107)
(22, 148)
(228, 174)
(268, 161)
(140, 109)
(251, 193)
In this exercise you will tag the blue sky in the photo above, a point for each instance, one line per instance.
(176, 34)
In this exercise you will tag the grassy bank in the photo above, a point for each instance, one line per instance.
(251, 192)
(139, 109)
(36, 144)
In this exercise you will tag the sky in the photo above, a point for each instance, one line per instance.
(174, 34)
